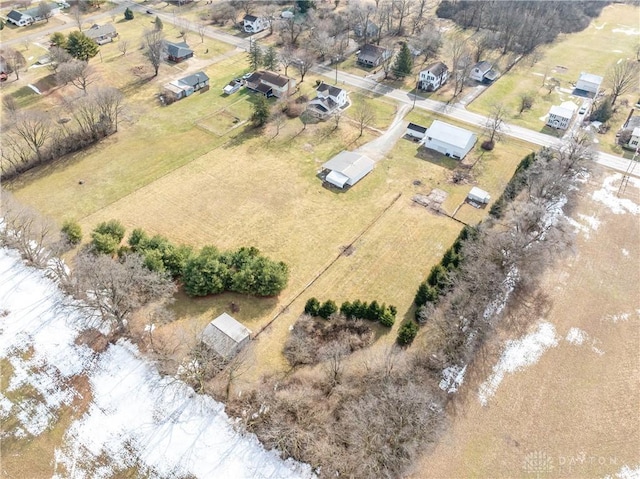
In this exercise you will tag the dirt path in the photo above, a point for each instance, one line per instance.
(574, 413)
(377, 149)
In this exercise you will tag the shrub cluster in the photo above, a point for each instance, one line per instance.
(205, 272)
(407, 333)
(385, 315)
(72, 231)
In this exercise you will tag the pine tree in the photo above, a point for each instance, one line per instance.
(270, 61)
(81, 46)
(158, 23)
(128, 14)
(260, 111)
(404, 62)
(255, 55)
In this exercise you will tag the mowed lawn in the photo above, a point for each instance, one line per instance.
(609, 38)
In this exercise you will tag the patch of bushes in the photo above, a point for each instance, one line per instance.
(385, 315)
(210, 271)
(72, 231)
(106, 237)
(407, 333)
(488, 145)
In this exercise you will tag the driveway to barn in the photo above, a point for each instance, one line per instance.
(377, 149)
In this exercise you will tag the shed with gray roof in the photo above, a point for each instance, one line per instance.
(226, 336)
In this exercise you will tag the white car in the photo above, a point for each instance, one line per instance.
(582, 110)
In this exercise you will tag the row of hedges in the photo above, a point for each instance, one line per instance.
(204, 272)
(514, 187)
(385, 315)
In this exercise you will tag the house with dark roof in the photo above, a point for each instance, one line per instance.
(178, 52)
(20, 19)
(373, 55)
(433, 77)
(184, 87)
(270, 84)
(329, 100)
(254, 24)
(415, 131)
(102, 34)
(483, 72)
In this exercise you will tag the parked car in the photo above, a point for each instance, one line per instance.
(582, 110)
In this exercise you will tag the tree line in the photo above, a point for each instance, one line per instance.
(373, 311)
(201, 273)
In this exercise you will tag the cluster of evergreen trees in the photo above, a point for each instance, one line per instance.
(385, 315)
(208, 271)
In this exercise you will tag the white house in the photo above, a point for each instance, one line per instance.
(330, 100)
(634, 141)
(271, 84)
(253, 24)
(589, 82)
(416, 131)
(479, 196)
(226, 336)
(449, 140)
(347, 168)
(483, 72)
(560, 116)
(20, 19)
(433, 77)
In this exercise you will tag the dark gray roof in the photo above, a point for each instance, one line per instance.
(97, 31)
(371, 51)
(437, 68)
(483, 66)
(264, 88)
(250, 18)
(254, 77)
(414, 127)
(274, 78)
(15, 15)
(195, 79)
(632, 123)
(333, 90)
(178, 50)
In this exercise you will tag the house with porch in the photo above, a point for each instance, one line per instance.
(329, 100)
(254, 24)
(178, 52)
(372, 55)
(20, 19)
(271, 84)
(178, 89)
(433, 77)
(102, 34)
(483, 72)
(560, 116)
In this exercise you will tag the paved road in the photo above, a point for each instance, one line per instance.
(605, 159)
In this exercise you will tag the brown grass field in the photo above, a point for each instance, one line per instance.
(576, 407)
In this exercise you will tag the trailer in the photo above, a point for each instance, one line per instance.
(476, 195)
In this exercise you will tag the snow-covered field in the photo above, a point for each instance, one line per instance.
(135, 418)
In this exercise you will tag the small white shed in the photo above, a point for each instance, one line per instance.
(347, 168)
(479, 196)
(416, 131)
(226, 336)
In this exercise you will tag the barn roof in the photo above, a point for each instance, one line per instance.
(350, 164)
(452, 135)
(224, 334)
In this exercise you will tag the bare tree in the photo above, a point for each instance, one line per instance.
(428, 42)
(34, 127)
(364, 115)
(622, 77)
(15, 61)
(333, 355)
(76, 14)
(278, 118)
(202, 29)
(116, 289)
(44, 10)
(418, 22)
(122, 46)
(110, 102)
(495, 122)
(460, 62)
(286, 57)
(304, 61)
(552, 84)
(79, 73)
(183, 27)
(526, 100)
(9, 103)
(57, 57)
(155, 50)
(290, 30)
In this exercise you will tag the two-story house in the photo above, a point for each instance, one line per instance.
(433, 77)
(329, 100)
(253, 24)
(373, 55)
(271, 84)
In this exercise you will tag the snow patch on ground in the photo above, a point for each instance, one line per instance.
(617, 317)
(607, 196)
(591, 221)
(517, 355)
(626, 31)
(625, 252)
(576, 336)
(452, 378)
(626, 472)
(137, 418)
